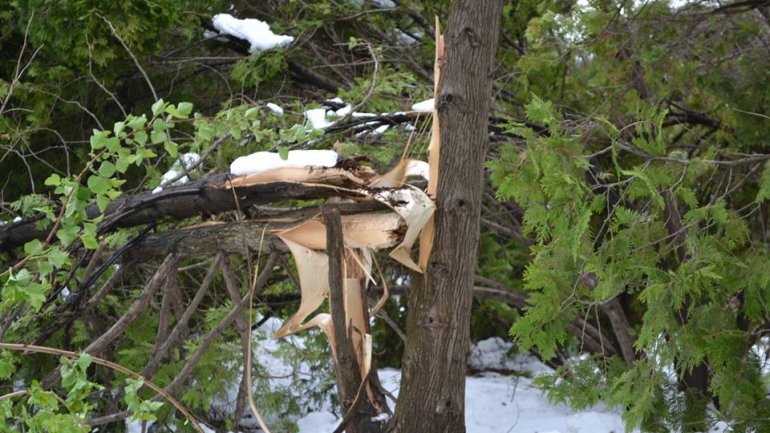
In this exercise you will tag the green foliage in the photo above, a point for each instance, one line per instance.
(38, 410)
(610, 113)
(607, 216)
(141, 409)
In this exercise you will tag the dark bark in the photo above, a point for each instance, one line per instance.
(432, 396)
(208, 196)
(231, 237)
(351, 388)
(694, 382)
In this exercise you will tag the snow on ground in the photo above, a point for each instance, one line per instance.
(499, 404)
(494, 403)
(257, 33)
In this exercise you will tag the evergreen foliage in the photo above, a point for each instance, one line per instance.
(629, 192)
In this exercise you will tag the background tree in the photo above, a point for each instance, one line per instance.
(623, 213)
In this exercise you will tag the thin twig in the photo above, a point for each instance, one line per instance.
(19, 70)
(130, 53)
(247, 366)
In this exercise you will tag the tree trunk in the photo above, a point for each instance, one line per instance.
(360, 402)
(432, 396)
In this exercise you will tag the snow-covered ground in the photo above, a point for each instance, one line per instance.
(494, 403)
(499, 404)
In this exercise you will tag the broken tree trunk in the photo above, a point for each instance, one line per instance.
(209, 196)
(359, 401)
(432, 396)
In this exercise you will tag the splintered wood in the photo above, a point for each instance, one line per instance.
(410, 220)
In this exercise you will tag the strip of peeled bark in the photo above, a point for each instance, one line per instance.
(432, 396)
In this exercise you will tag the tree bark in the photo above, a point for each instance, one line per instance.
(357, 407)
(432, 396)
(208, 196)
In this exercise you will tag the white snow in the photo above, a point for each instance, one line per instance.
(380, 417)
(425, 106)
(495, 404)
(317, 118)
(275, 108)
(344, 111)
(418, 168)
(185, 162)
(263, 161)
(189, 160)
(208, 34)
(255, 31)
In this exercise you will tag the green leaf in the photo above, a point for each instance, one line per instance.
(184, 109)
(7, 366)
(283, 152)
(157, 107)
(140, 137)
(171, 148)
(157, 136)
(21, 288)
(57, 257)
(53, 180)
(136, 122)
(33, 247)
(67, 235)
(118, 128)
(102, 201)
(122, 163)
(112, 144)
(98, 139)
(107, 169)
(89, 241)
(98, 184)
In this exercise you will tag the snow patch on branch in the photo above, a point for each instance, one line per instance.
(275, 108)
(256, 32)
(425, 106)
(316, 118)
(186, 162)
(263, 161)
